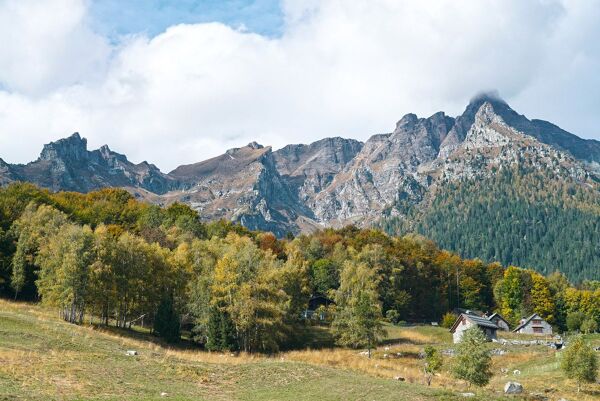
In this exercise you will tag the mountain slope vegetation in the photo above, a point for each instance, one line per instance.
(515, 217)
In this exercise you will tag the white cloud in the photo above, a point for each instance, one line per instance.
(340, 68)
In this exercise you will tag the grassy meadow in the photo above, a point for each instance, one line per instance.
(44, 358)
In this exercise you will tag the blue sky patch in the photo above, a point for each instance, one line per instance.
(114, 18)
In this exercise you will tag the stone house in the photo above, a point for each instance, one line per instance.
(465, 321)
(534, 324)
(499, 321)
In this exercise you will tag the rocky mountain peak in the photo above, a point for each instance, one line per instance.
(105, 151)
(255, 145)
(487, 114)
(407, 121)
(71, 148)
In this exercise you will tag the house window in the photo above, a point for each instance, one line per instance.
(537, 321)
(538, 330)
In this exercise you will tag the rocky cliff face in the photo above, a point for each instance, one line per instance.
(333, 181)
(309, 169)
(385, 171)
(243, 185)
(67, 165)
(6, 175)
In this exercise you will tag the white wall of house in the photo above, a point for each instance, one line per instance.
(465, 324)
(462, 326)
(537, 325)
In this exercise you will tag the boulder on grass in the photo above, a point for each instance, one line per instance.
(131, 353)
(513, 388)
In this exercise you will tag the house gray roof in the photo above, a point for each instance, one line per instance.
(520, 326)
(479, 321)
(493, 315)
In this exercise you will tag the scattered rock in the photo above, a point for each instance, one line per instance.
(468, 394)
(131, 353)
(563, 399)
(448, 352)
(499, 351)
(513, 388)
(399, 378)
(385, 355)
(386, 349)
(516, 372)
(538, 397)
(163, 394)
(504, 370)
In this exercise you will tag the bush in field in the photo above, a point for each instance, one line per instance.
(448, 320)
(433, 363)
(589, 325)
(579, 362)
(473, 360)
(392, 316)
(574, 320)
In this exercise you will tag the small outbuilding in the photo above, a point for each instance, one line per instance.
(499, 321)
(534, 324)
(314, 303)
(466, 321)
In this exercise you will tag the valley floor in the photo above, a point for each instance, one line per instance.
(43, 358)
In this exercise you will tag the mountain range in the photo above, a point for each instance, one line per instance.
(442, 176)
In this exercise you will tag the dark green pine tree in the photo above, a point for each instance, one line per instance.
(167, 321)
(213, 340)
(221, 333)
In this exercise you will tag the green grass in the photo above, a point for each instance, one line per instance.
(43, 358)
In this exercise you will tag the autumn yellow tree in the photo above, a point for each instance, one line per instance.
(541, 298)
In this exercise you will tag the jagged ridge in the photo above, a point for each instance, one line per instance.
(333, 181)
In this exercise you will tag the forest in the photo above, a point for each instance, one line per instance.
(106, 258)
(527, 218)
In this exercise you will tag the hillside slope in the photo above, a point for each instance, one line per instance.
(46, 359)
(517, 217)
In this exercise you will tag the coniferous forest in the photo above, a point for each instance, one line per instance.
(107, 258)
(525, 218)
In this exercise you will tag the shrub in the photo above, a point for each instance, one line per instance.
(579, 362)
(574, 320)
(392, 316)
(433, 363)
(589, 325)
(473, 361)
(448, 320)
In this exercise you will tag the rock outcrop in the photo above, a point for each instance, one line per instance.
(243, 185)
(67, 165)
(513, 388)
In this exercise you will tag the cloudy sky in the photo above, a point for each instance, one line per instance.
(178, 81)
